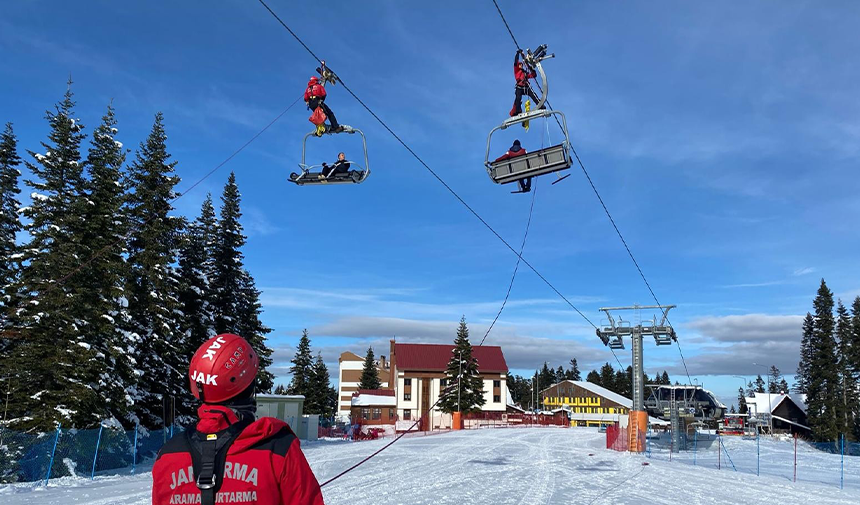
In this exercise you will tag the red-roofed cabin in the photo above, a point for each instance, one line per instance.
(418, 375)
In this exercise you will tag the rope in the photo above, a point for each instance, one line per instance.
(442, 181)
(602, 204)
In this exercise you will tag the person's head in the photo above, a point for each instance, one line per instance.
(516, 145)
(313, 80)
(341, 156)
(223, 370)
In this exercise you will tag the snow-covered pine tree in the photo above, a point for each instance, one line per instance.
(463, 378)
(103, 315)
(847, 392)
(54, 363)
(855, 361)
(253, 330)
(369, 374)
(823, 377)
(302, 364)
(153, 285)
(803, 367)
(10, 224)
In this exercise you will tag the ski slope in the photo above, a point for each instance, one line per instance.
(508, 466)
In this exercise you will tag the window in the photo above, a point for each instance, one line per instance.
(407, 415)
(377, 414)
(407, 382)
(443, 382)
(365, 414)
(497, 384)
(497, 398)
(407, 397)
(390, 413)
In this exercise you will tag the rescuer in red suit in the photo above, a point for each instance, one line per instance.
(228, 456)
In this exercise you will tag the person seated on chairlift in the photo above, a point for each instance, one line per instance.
(517, 150)
(315, 97)
(341, 166)
(522, 73)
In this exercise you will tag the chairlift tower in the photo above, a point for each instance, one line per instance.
(612, 333)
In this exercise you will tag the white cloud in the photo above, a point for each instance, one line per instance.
(749, 328)
(803, 271)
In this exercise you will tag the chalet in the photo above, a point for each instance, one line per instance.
(351, 366)
(785, 413)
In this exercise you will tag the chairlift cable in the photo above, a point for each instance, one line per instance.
(438, 178)
(599, 198)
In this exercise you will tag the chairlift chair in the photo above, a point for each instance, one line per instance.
(532, 164)
(309, 176)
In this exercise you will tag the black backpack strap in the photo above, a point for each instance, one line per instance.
(208, 456)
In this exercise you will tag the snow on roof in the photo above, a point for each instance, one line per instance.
(281, 397)
(435, 357)
(366, 400)
(765, 403)
(600, 391)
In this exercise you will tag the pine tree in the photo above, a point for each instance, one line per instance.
(847, 389)
(102, 312)
(547, 376)
(775, 380)
(607, 377)
(280, 389)
(664, 379)
(594, 378)
(320, 391)
(806, 353)
(369, 374)
(732, 410)
(194, 288)
(575, 375)
(742, 401)
(249, 326)
(462, 372)
(759, 384)
(559, 374)
(227, 257)
(302, 365)
(235, 299)
(823, 376)
(10, 224)
(152, 284)
(854, 360)
(55, 364)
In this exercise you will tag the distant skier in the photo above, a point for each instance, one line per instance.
(517, 150)
(315, 97)
(341, 166)
(228, 457)
(522, 73)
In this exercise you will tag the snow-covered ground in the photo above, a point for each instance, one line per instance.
(516, 466)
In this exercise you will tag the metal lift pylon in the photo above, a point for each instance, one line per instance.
(611, 333)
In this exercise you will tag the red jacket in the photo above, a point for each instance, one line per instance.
(315, 89)
(520, 74)
(264, 465)
(508, 155)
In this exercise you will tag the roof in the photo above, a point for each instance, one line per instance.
(599, 391)
(366, 400)
(279, 397)
(764, 403)
(435, 357)
(350, 356)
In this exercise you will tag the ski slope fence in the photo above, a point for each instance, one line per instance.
(835, 463)
(38, 457)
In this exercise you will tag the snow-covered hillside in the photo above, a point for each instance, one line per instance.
(515, 466)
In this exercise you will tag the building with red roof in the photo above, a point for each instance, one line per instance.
(418, 377)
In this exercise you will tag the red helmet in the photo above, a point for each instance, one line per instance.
(222, 367)
(313, 80)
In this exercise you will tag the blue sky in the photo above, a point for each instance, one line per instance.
(723, 137)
